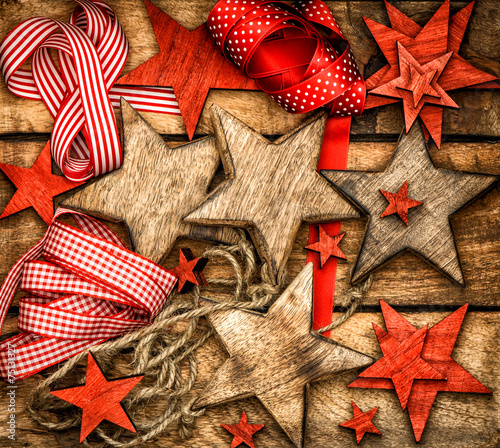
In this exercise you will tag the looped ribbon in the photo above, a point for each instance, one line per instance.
(88, 288)
(92, 49)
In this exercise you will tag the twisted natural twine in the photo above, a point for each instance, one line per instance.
(162, 356)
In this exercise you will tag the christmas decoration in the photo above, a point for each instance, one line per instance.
(190, 270)
(399, 203)
(327, 246)
(243, 432)
(362, 422)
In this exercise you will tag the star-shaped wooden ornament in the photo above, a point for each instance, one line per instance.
(154, 189)
(423, 64)
(188, 61)
(272, 187)
(189, 271)
(428, 233)
(275, 356)
(36, 186)
(399, 203)
(362, 422)
(243, 432)
(100, 398)
(327, 246)
(436, 352)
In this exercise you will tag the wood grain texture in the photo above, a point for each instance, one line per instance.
(275, 356)
(361, 422)
(327, 246)
(154, 189)
(262, 177)
(429, 234)
(189, 271)
(243, 432)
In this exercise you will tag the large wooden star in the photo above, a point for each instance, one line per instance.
(440, 37)
(100, 398)
(188, 61)
(275, 356)
(429, 232)
(436, 351)
(272, 187)
(154, 189)
(362, 422)
(36, 186)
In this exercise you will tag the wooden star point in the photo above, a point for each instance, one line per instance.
(327, 246)
(257, 366)
(189, 271)
(399, 203)
(243, 432)
(362, 422)
(272, 187)
(100, 399)
(36, 186)
(430, 235)
(154, 189)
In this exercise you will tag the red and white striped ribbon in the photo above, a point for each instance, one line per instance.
(88, 288)
(92, 49)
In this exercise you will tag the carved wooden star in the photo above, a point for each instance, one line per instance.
(429, 233)
(436, 351)
(188, 61)
(100, 398)
(399, 203)
(36, 186)
(189, 271)
(426, 46)
(327, 246)
(243, 432)
(362, 422)
(272, 187)
(274, 356)
(154, 189)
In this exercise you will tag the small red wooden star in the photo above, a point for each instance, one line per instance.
(243, 432)
(189, 270)
(100, 398)
(327, 246)
(362, 422)
(399, 203)
(188, 61)
(36, 186)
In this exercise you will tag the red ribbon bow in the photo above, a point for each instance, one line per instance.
(88, 289)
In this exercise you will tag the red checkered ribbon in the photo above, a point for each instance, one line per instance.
(79, 93)
(87, 289)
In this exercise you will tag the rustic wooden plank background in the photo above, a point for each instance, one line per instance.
(471, 139)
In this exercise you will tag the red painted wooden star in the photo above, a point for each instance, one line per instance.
(399, 203)
(100, 398)
(188, 61)
(362, 422)
(440, 38)
(327, 246)
(36, 186)
(190, 270)
(436, 351)
(243, 432)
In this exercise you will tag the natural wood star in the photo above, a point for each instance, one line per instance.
(243, 432)
(274, 356)
(436, 351)
(36, 186)
(429, 235)
(399, 203)
(189, 271)
(327, 246)
(100, 398)
(272, 187)
(188, 61)
(154, 189)
(362, 422)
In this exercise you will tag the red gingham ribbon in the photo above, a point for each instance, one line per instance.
(92, 49)
(88, 289)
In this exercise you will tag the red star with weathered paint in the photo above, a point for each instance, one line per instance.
(100, 398)
(243, 432)
(327, 246)
(438, 38)
(436, 351)
(399, 203)
(190, 63)
(190, 270)
(36, 186)
(362, 422)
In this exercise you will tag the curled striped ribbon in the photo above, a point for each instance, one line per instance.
(79, 93)
(88, 288)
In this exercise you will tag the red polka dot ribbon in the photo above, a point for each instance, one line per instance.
(87, 289)
(78, 92)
